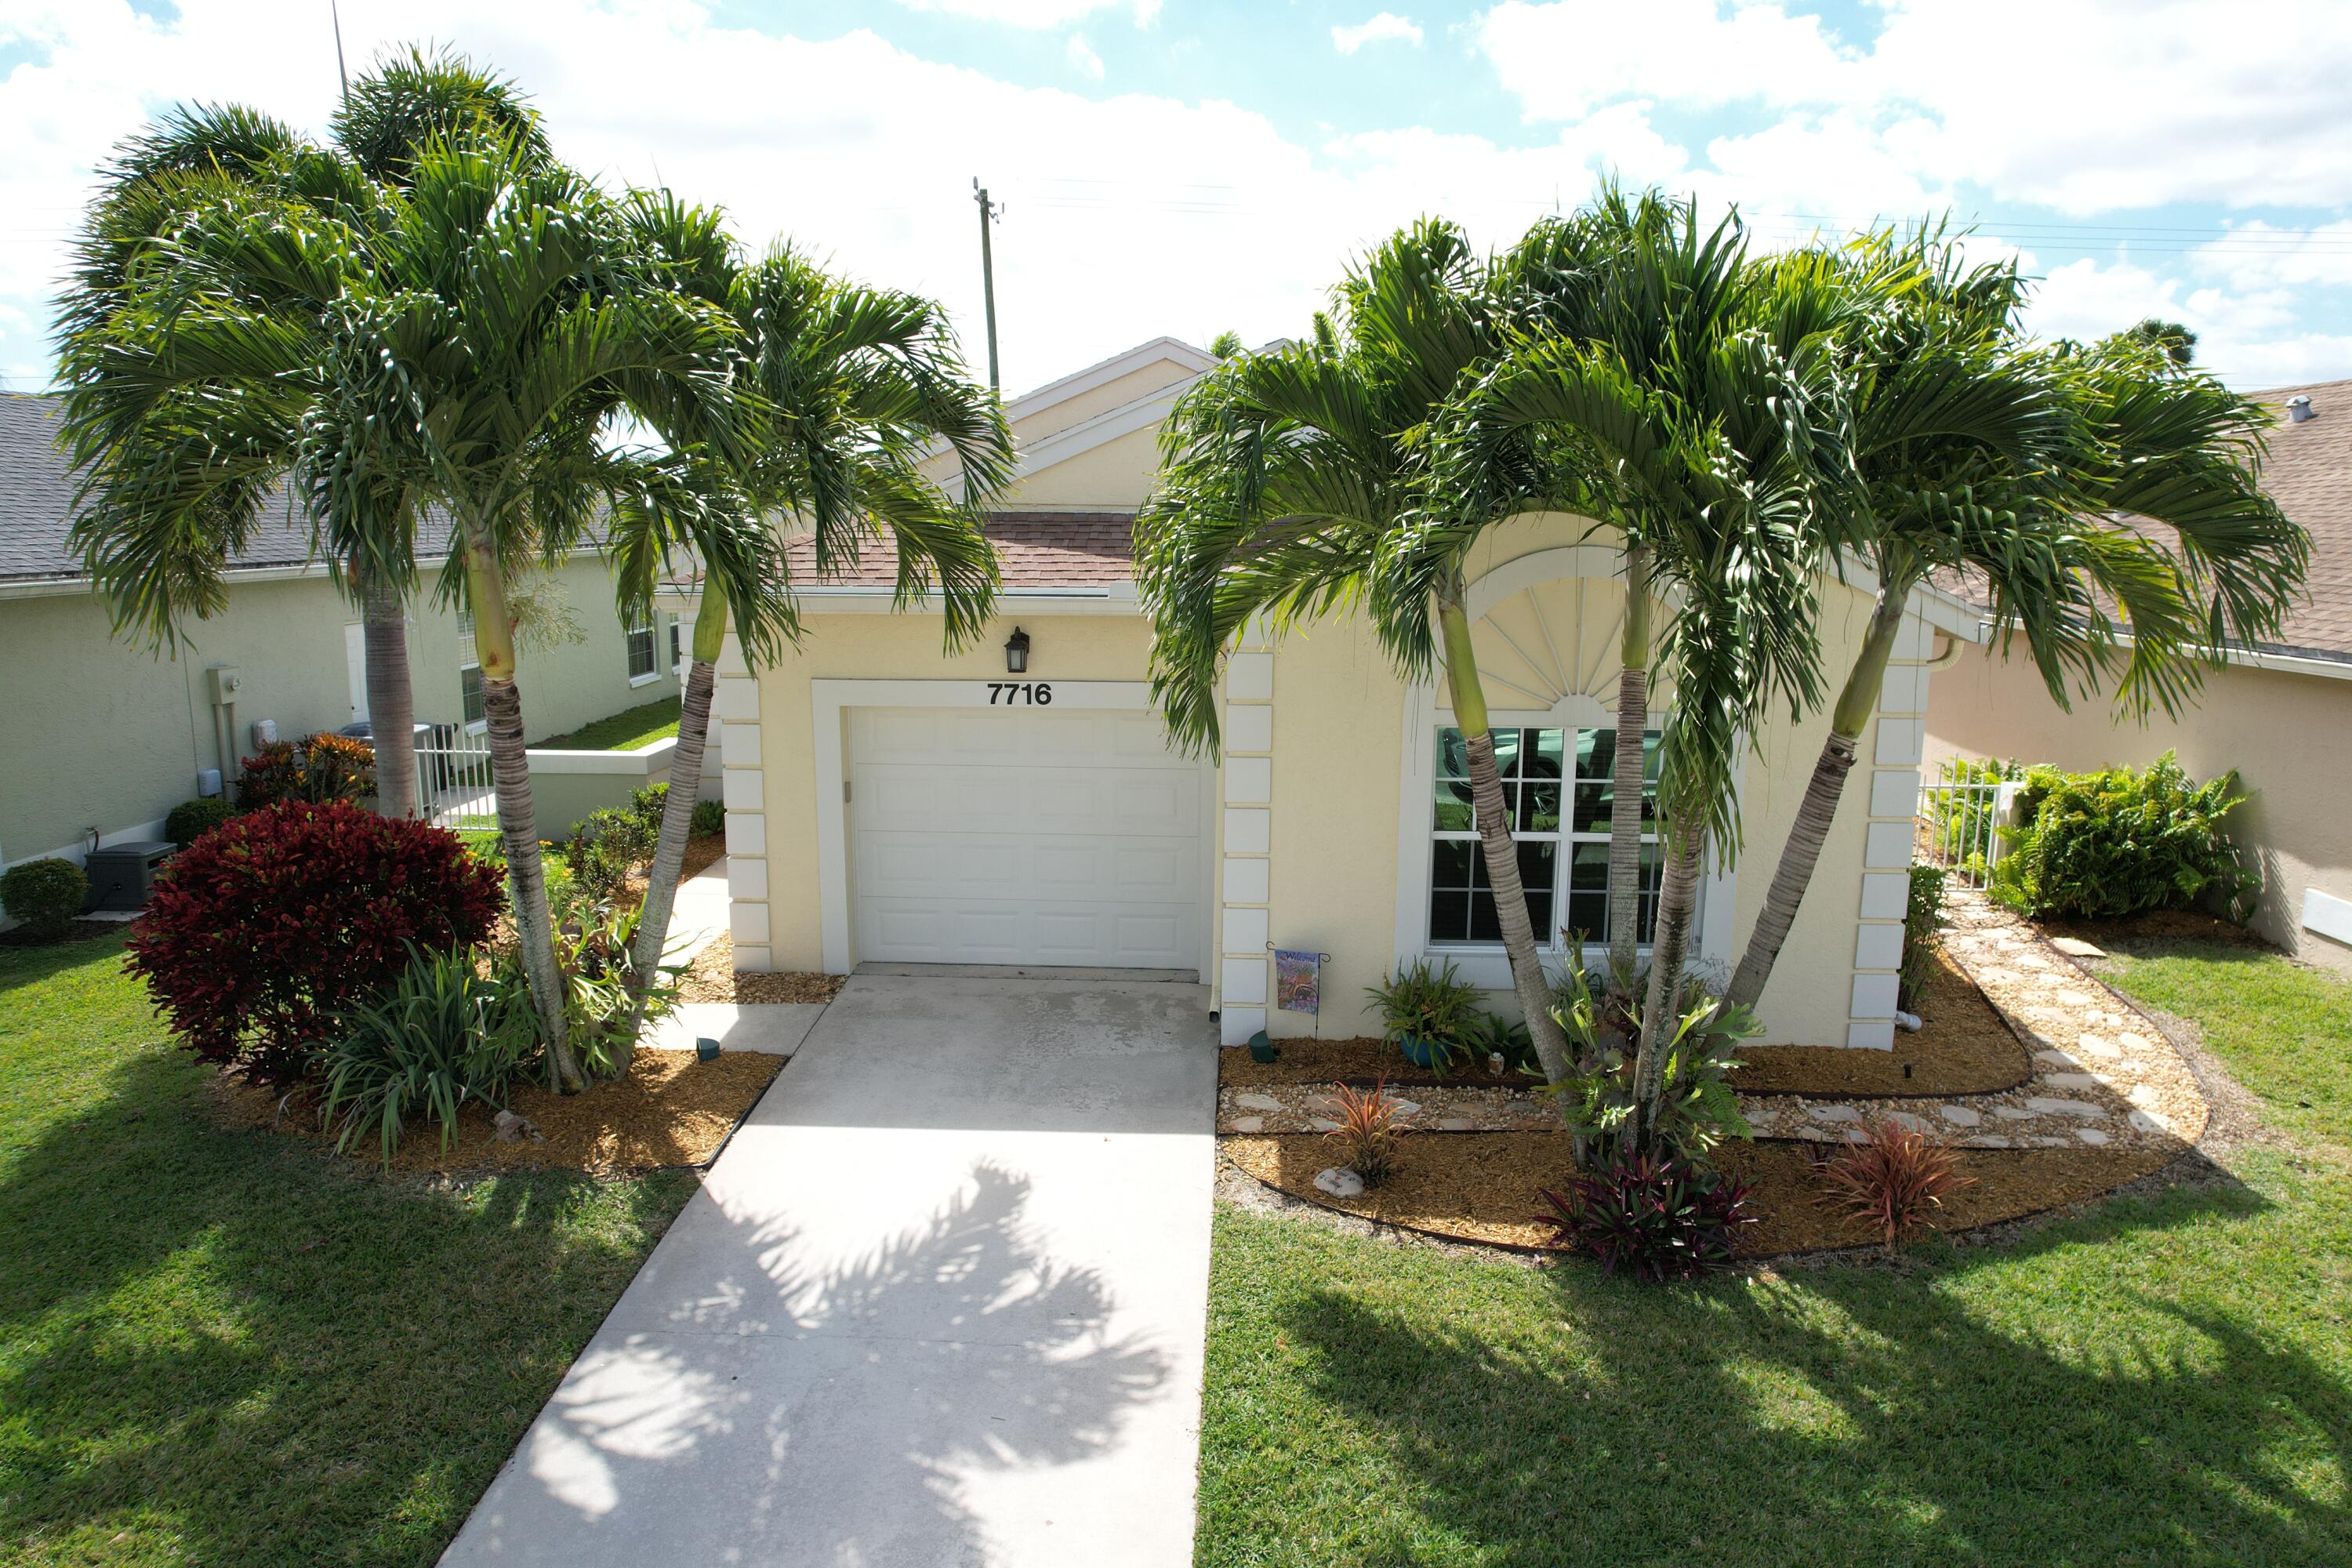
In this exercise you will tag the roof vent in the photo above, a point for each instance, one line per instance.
(2298, 409)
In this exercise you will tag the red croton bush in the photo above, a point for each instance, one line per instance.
(264, 927)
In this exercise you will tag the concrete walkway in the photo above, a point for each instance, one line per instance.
(941, 1302)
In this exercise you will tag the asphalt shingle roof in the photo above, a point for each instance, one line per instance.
(36, 491)
(1034, 549)
(2309, 474)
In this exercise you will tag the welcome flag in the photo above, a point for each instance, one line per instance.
(1297, 981)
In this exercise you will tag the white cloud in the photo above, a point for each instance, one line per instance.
(2084, 105)
(1083, 58)
(1215, 216)
(1033, 13)
(1386, 27)
(1567, 58)
(2258, 255)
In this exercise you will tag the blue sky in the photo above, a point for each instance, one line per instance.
(1178, 167)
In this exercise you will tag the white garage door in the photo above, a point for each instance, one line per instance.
(1023, 835)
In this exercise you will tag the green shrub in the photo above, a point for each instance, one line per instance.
(45, 895)
(650, 802)
(192, 819)
(1923, 916)
(439, 1035)
(605, 848)
(596, 952)
(2116, 842)
(709, 817)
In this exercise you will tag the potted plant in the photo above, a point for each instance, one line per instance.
(1428, 1011)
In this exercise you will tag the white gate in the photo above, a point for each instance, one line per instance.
(1962, 814)
(453, 778)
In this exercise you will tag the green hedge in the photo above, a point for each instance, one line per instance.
(2117, 841)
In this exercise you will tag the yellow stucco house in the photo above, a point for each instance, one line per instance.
(888, 804)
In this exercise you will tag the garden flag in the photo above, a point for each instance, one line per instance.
(1297, 981)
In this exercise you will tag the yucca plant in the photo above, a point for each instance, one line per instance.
(1367, 1130)
(440, 1036)
(1893, 1180)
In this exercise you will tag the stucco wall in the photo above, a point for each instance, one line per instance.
(102, 733)
(1337, 719)
(1103, 477)
(2287, 734)
(777, 729)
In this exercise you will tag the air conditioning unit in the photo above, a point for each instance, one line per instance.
(123, 875)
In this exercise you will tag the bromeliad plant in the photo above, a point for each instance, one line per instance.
(1893, 1180)
(1367, 1130)
(1427, 1005)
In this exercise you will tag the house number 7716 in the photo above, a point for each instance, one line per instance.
(1011, 693)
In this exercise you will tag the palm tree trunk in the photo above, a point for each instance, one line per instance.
(1678, 903)
(392, 700)
(1625, 802)
(678, 808)
(486, 588)
(1855, 703)
(1495, 838)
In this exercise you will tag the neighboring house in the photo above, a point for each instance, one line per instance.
(889, 802)
(104, 737)
(2280, 713)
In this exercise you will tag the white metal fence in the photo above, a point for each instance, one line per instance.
(1960, 817)
(453, 778)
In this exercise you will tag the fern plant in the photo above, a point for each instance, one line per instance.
(2117, 841)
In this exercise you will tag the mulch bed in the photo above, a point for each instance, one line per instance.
(2156, 928)
(670, 1111)
(1966, 1049)
(700, 852)
(713, 977)
(1486, 1187)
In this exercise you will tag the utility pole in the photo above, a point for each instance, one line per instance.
(336, 12)
(990, 212)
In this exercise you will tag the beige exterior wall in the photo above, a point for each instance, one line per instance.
(2287, 734)
(1320, 839)
(1333, 833)
(101, 733)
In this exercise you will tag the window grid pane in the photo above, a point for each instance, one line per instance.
(1545, 773)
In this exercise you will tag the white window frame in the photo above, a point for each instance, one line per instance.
(629, 636)
(1564, 838)
(1484, 965)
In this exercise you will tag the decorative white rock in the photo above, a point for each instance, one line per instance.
(1338, 1184)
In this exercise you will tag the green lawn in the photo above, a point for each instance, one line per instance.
(623, 731)
(2165, 1381)
(216, 1349)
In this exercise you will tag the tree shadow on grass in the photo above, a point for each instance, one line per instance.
(1850, 1415)
(216, 1342)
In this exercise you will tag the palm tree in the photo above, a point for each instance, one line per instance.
(1982, 454)
(471, 341)
(202, 155)
(850, 389)
(1706, 418)
(1288, 481)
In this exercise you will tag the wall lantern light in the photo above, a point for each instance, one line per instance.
(1017, 652)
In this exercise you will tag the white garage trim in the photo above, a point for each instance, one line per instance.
(828, 699)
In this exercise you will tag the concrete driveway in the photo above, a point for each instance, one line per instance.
(941, 1302)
